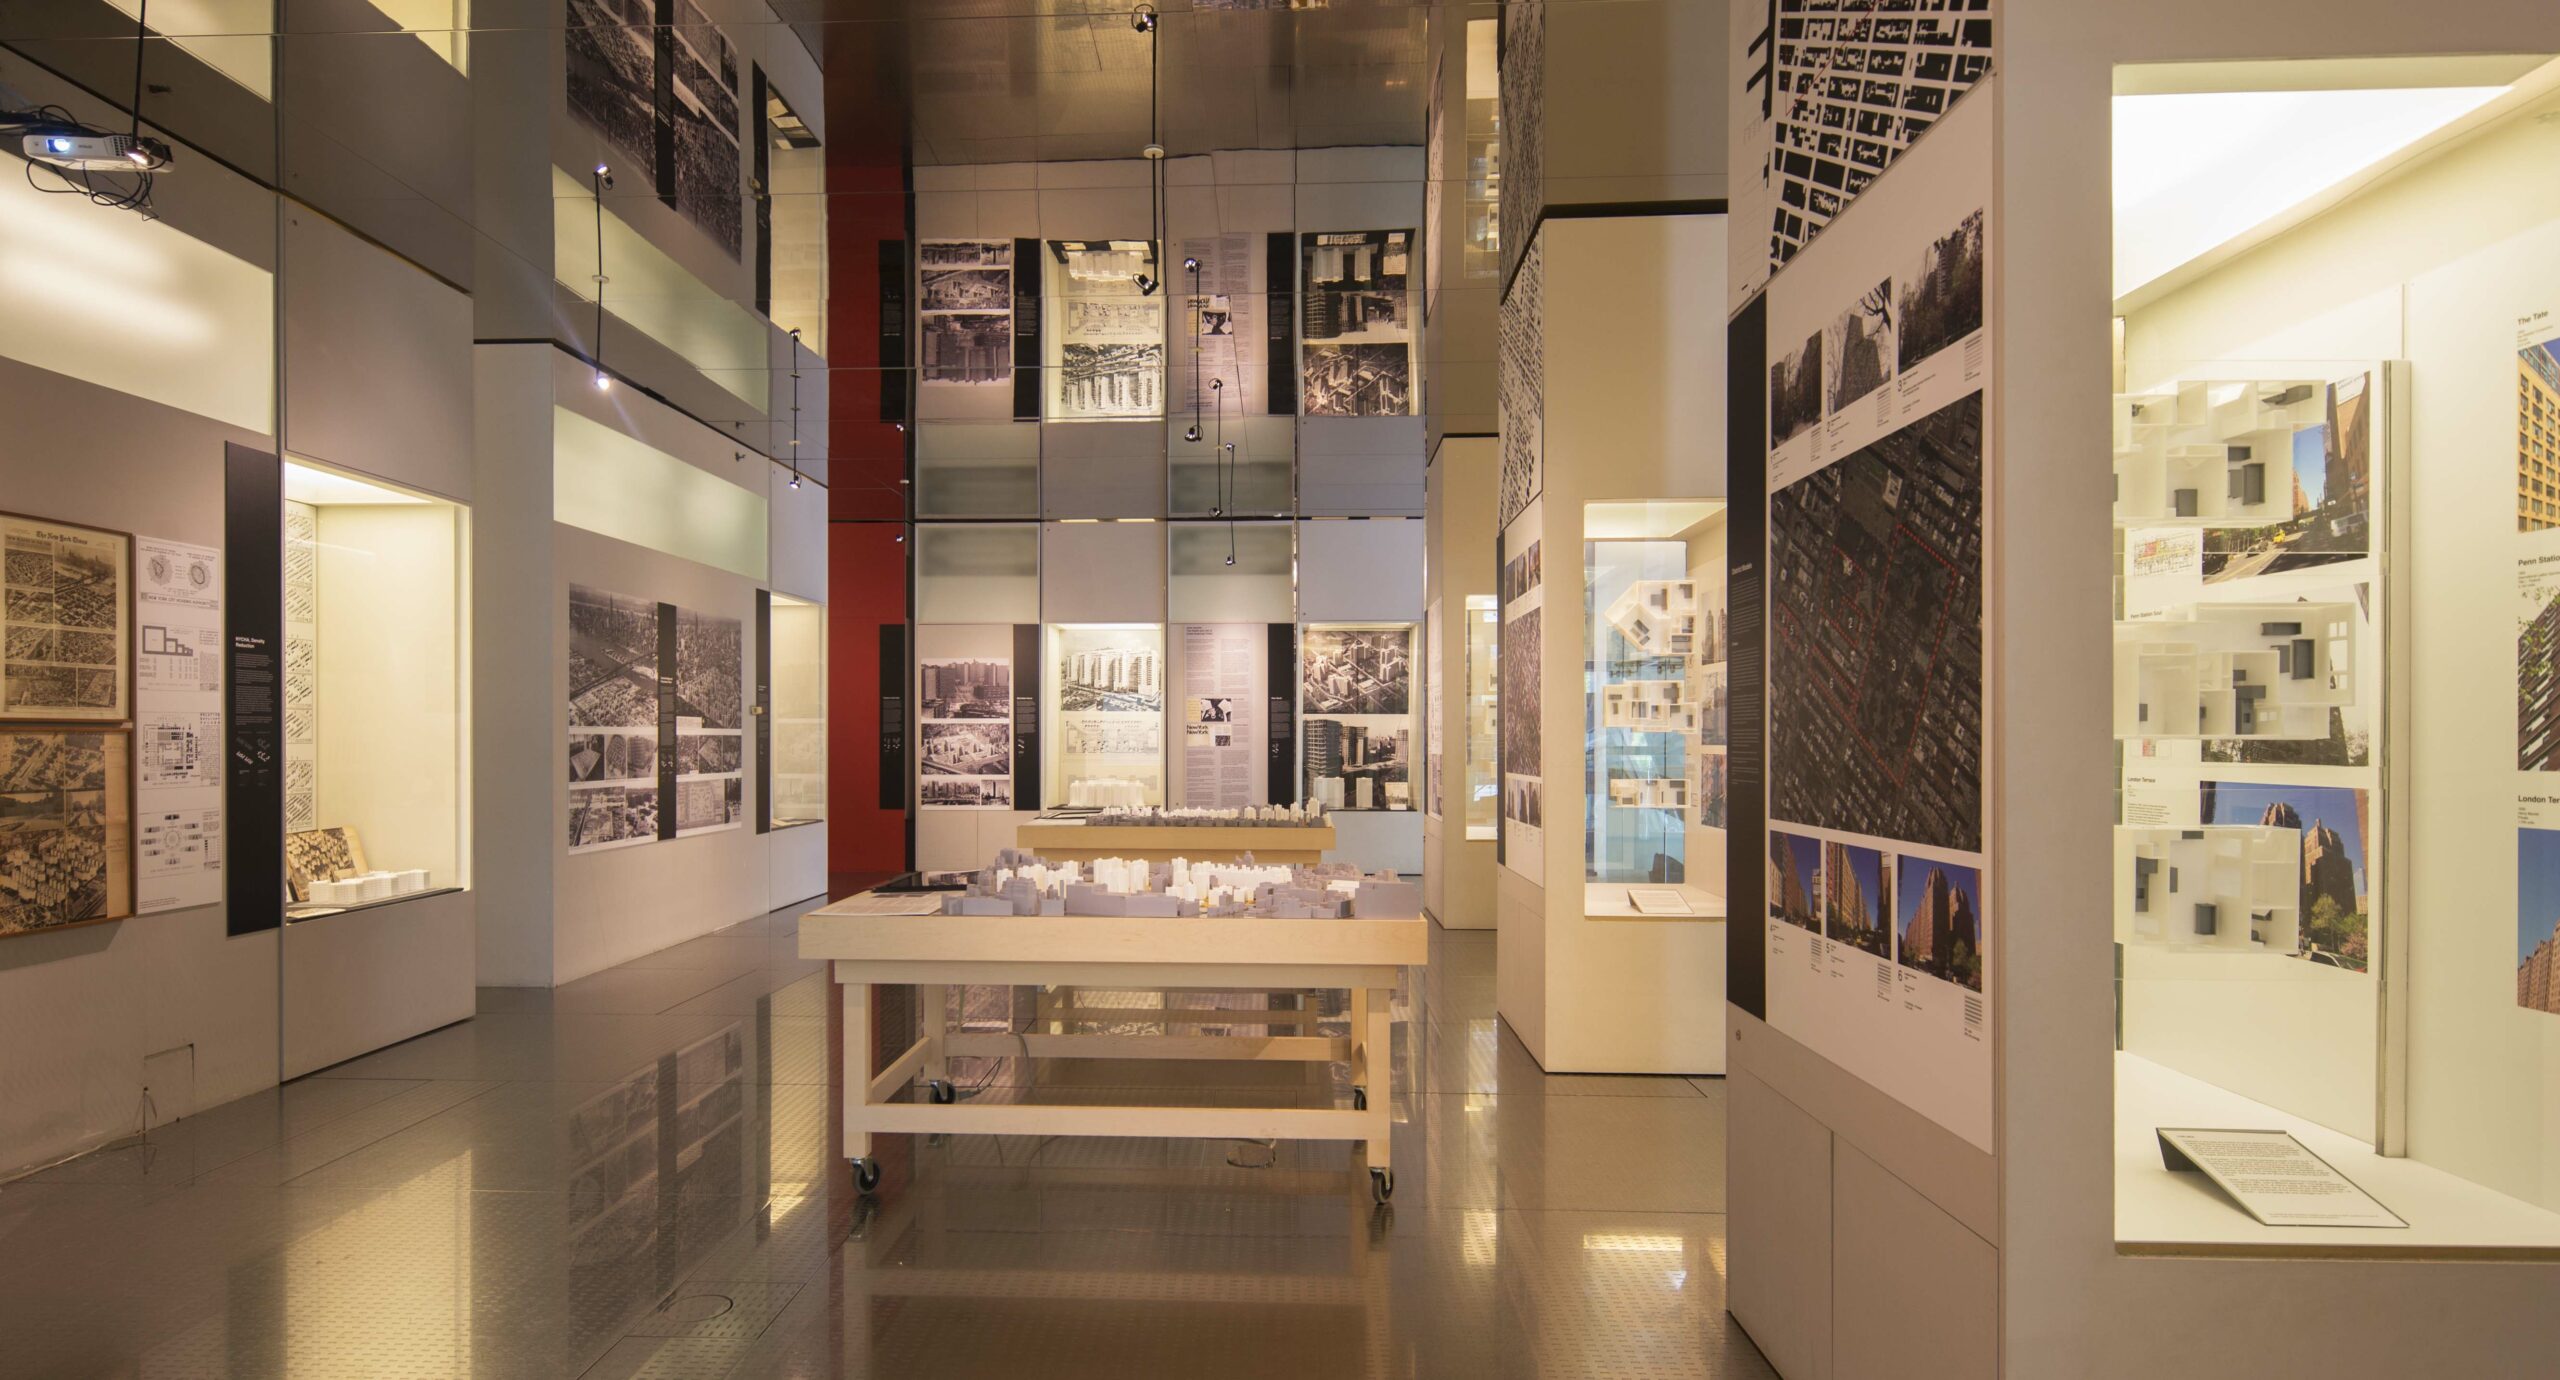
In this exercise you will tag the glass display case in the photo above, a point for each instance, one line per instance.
(1356, 715)
(1653, 682)
(374, 724)
(1481, 632)
(799, 761)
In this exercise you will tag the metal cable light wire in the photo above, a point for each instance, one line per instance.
(603, 179)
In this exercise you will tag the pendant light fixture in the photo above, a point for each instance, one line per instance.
(603, 181)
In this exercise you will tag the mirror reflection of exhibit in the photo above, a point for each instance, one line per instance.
(2233, 454)
(2235, 671)
(1109, 326)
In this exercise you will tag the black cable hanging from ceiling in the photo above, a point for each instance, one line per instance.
(795, 408)
(602, 183)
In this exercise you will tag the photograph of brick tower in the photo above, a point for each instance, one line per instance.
(2332, 485)
(1941, 921)
(1795, 880)
(1859, 898)
(2538, 678)
(2332, 822)
(2538, 436)
(2538, 920)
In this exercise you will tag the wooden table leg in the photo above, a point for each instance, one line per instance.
(1373, 1012)
(933, 1005)
(859, 1056)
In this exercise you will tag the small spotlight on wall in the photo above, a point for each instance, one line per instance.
(795, 481)
(604, 381)
(1146, 285)
(1231, 560)
(1143, 19)
(1190, 264)
(1191, 434)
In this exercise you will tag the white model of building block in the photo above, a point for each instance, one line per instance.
(1104, 792)
(2226, 888)
(1657, 617)
(2212, 454)
(1649, 792)
(2235, 671)
(1648, 706)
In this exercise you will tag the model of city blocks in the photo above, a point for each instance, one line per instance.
(1021, 883)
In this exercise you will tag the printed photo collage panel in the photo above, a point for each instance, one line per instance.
(652, 755)
(66, 725)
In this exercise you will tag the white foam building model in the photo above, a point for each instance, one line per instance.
(2226, 888)
(1649, 792)
(1020, 883)
(2212, 454)
(1657, 617)
(2235, 671)
(358, 888)
(1107, 792)
(1300, 815)
(1648, 706)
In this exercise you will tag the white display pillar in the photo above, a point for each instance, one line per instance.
(1457, 865)
(1617, 319)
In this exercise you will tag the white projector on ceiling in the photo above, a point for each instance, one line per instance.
(97, 152)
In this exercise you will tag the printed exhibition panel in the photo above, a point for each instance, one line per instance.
(1223, 368)
(964, 302)
(1107, 359)
(1106, 690)
(1520, 363)
(1355, 719)
(1829, 96)
(1225, 679)
(177, 806)
(1521, 588)
(1879, 939)
(1356, 334)
(614, 87)
(656, 718)
(964, 718)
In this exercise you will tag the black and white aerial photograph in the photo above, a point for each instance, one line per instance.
(1520, 371)
(600, 815)
(1355, 285)
(710, 669)
(709, 754)
(933, 254)
(966, 792)
(1859, 345)
(1358, 380)
(966, 289)
(1795, 392)
(709, 803)
(586, 757)
(56, 853)
(613, 660)
(1875, 638)
(1519, 703)
(613, 76)
(709, 189)
(950, 749)
(1357, 671)
(1941, 295)
(62, 655)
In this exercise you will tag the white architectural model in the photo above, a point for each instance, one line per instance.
(1022, 883)
(2212, 454)
(1104, 792)
(1648, 706)
(2235, 671)
(1657, 617)
(1649, 792)
(1306, 814)
(2231, 888)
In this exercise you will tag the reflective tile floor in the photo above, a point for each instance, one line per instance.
(632, 1176)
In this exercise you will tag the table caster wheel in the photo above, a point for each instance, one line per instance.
(940, 1091)
(1359, 1099)
(1382, 1184)
(866, 1174)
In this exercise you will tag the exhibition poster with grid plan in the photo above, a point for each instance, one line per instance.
(1879, 941)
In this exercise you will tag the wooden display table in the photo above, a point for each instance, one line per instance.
(932, 952)
(1071, 840)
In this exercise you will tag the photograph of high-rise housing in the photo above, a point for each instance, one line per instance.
(2332, 468)
(2538, 436)
(1942, 294)
(1098, 673)
(1795, 880)
(1875, 649)
(965, 688)
(1358, 766)
(1939, 925)
(967, 749)
(1357, 671)
(1795, 392)
(1859, 343)
(2332, 822)
(2538, 678)
(2538, 919)
(1858, 898)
